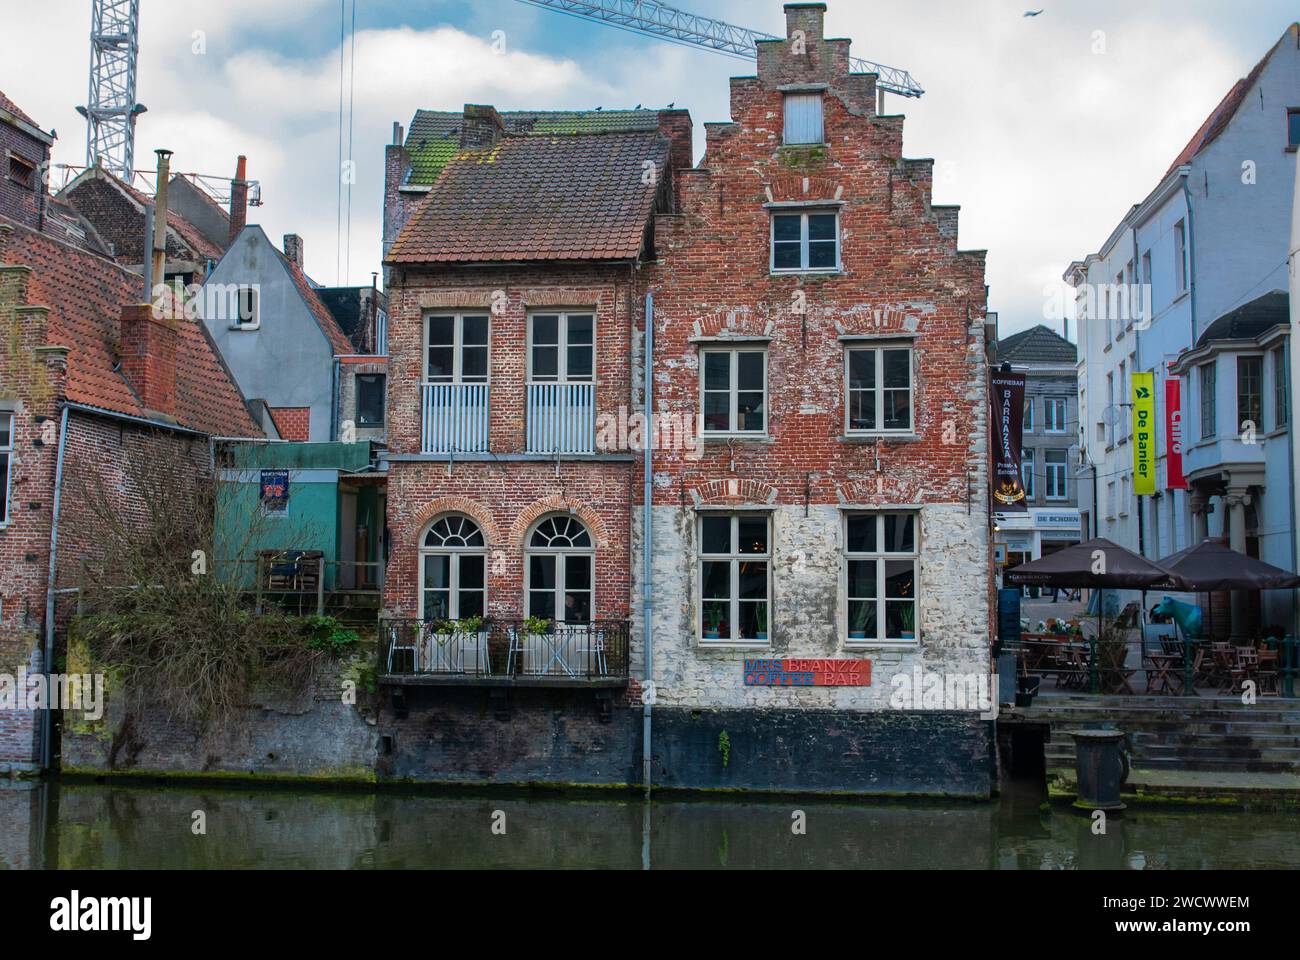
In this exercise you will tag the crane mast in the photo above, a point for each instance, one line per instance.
(656, 19)
(111, 107)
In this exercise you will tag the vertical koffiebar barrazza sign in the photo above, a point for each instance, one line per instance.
(1007, 399)
(1144, 434)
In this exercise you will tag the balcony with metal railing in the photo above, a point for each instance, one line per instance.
(503, 653)
(454, 418)
(562, 418)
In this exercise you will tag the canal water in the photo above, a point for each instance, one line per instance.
(92, 826)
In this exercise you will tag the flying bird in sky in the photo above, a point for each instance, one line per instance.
(1032, 13)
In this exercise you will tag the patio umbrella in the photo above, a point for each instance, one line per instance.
(1212, 565)
(1094, 563)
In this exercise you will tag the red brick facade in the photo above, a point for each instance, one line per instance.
(901, 275)
(900, 280)
(507, 491)
(292, 423)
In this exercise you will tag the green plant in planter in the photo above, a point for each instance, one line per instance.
(712, 621)
(537, 626)
(907, 617)
(471, 625)
(442, 627)
(761, 617)
(858, 622)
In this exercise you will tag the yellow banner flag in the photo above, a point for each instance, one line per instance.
(1144, 434)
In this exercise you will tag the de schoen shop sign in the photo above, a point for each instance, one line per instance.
(807, 673)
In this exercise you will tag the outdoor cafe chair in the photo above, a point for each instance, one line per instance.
(1245, 669)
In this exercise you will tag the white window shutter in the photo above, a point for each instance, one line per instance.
(803, 118)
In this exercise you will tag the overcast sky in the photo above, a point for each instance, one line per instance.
(1043, 129)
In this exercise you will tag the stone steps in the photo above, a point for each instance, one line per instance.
(1220, 735)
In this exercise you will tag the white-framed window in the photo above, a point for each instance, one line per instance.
(1125, 495)
(805, 242)
(1057, 464)
(735, 577)
(881, 568)
(6, 462)
(560, 571)
(1056, 412)
(1250, 393)
(804, 120)
(1209, 401)
(453, 570)
(247, 309)
(1180, 256)
(1281, 389)
(1112, 500)
(561, 347)
(456, 348)
(1027, 472)
(878, 389)
(1029, 415)
(733, 390)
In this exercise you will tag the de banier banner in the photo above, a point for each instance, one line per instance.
(1007, 399)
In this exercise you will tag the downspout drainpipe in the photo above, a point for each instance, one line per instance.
(647, 527)
(47, 718)
(1293, 358)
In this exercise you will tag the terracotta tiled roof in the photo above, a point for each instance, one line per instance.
(339, 341)
(85, 294)
(572, 197)
(10, 107)
(1218, 120)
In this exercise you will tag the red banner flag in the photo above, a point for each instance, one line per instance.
(1174, 434)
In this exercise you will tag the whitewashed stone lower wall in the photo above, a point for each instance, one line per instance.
(808, 610)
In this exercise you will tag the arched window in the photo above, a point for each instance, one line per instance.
(561, 570)
(453, 565)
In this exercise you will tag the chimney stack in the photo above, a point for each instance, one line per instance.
(159, 252)
(481, 128)
(810, 18)
(293, 248)
(148, 354)
(399, 135)
(238, 200)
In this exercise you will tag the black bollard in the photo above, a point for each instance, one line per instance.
(1101, 766)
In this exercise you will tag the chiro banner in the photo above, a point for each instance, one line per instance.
(1144, 434)
(1007, 399)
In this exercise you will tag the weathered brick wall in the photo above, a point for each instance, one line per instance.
(505, 499)
(902, 277)
(507, 496)
(510, 295)
(120, 222)
(19, 202)
(109, 459)
(32, 381)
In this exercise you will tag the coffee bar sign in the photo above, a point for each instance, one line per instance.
(807, 673)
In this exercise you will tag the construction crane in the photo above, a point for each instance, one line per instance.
(677, 26)
(111, 108)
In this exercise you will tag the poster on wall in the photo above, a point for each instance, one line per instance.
(1007, 402)
(1174, 432)
(1144, 434)
(275, 491)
